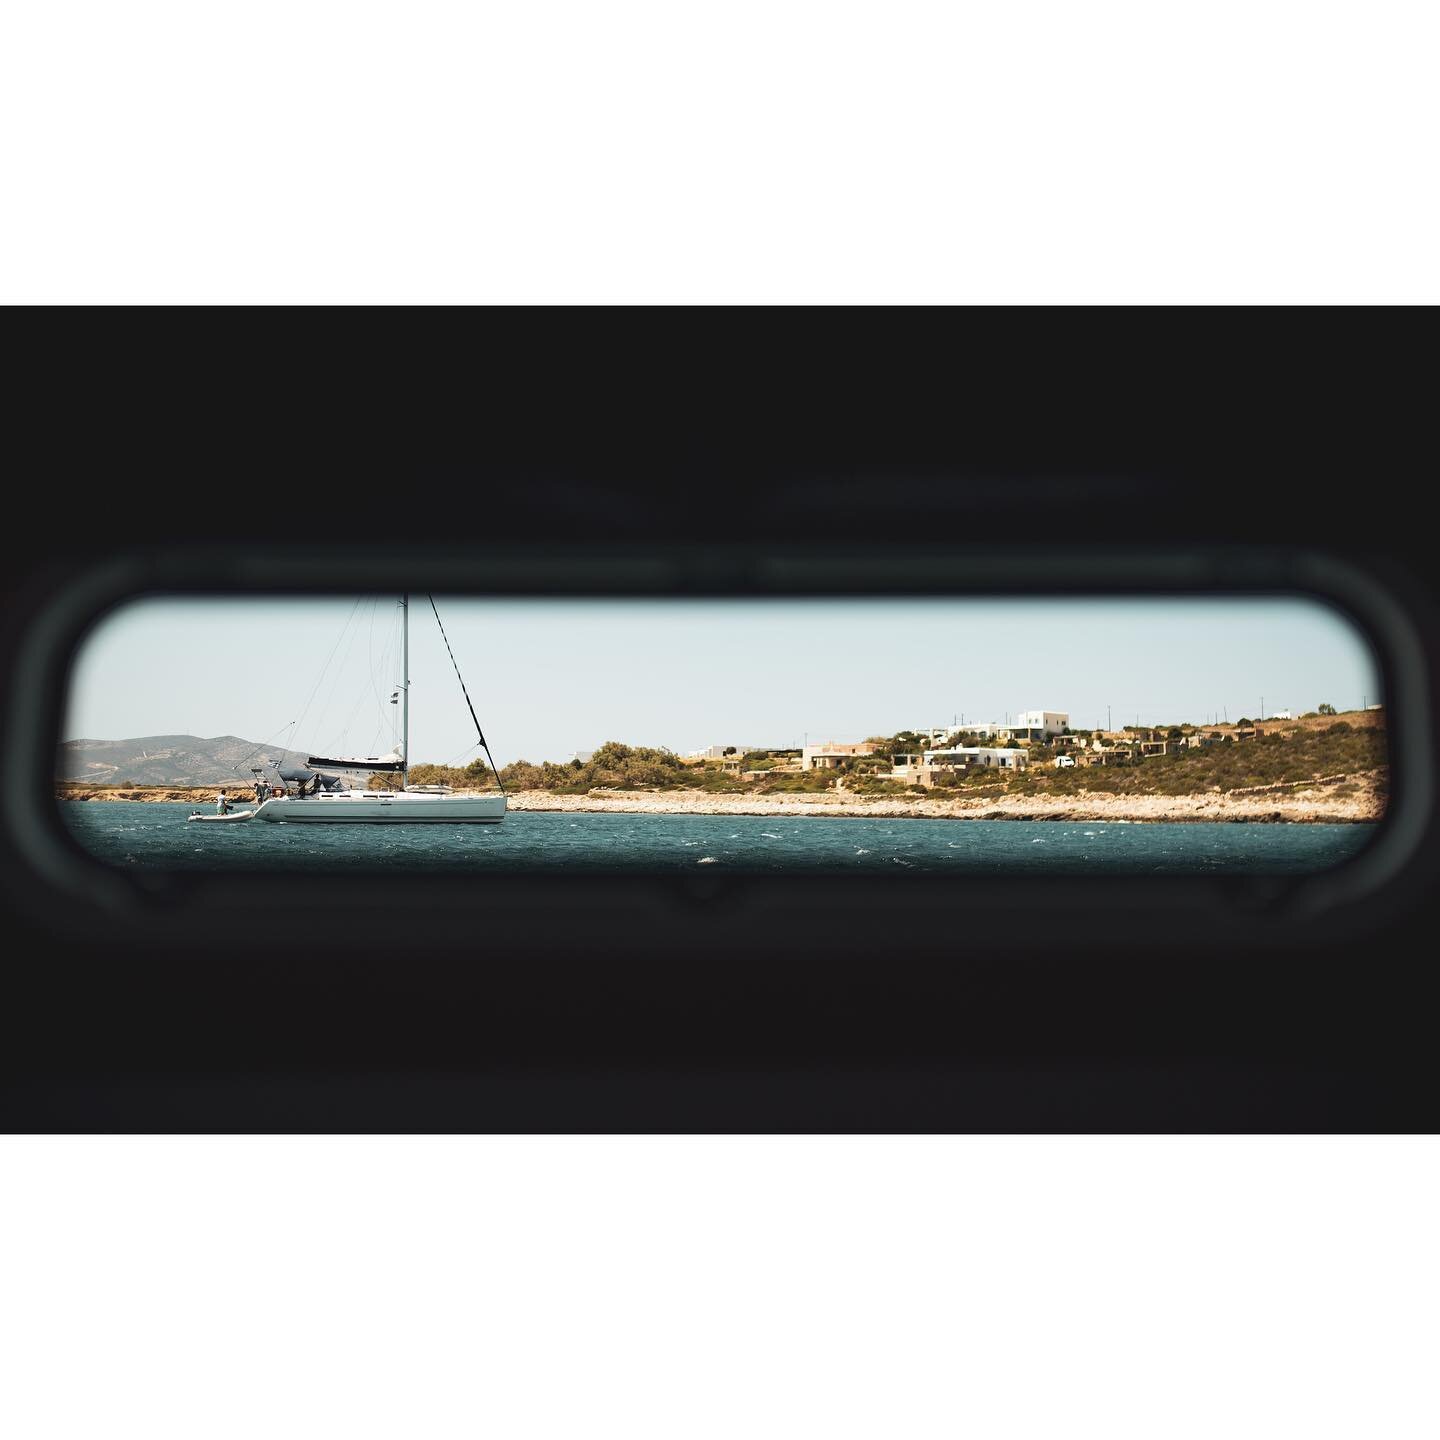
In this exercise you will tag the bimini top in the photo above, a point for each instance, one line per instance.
(300, 776)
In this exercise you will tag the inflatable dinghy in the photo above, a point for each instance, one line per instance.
(222, 819)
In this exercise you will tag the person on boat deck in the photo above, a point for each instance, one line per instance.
(222, 804)
(259, 792)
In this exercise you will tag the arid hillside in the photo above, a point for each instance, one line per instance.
(163, 760)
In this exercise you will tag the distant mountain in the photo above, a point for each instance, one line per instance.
(165, 760)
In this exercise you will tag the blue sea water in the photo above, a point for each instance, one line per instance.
(157, 836)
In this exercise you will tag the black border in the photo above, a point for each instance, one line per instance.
(150, 440)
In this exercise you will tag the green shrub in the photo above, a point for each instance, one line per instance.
(806, 782)
(865, 786)
(1340, 748)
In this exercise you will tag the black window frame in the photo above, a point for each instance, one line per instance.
(79, 889)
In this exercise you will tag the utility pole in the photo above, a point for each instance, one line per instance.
(405, 687)
(1108, 725)
(1262, 707)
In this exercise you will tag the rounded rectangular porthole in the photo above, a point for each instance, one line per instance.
(832, 744)
(926, 737)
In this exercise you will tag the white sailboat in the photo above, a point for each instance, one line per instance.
(428, 804)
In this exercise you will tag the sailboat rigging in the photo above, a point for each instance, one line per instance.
(326, 799)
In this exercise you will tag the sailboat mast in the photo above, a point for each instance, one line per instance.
(405, 689)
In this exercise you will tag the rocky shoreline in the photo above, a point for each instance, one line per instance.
(1305, 808)
(240, 795)
(1275, 804)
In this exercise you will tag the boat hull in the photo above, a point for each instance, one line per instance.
(373, 807)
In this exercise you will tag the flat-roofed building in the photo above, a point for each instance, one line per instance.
(1108, 755)
(1046, 722)
(971, 757)
(921, 768)
(1163, 746)
(1033, 725)
(934, 734)
(831, 756)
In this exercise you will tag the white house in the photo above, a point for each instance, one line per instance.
(990, 758)
(923, 768)
(934, 735)
(1041, 724)
(1027, 725)
(1279, 715)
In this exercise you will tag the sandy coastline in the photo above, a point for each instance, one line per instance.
(1291, 804)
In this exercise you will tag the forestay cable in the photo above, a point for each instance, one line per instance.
(466, 694)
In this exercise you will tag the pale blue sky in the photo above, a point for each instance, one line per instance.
(549, 677)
